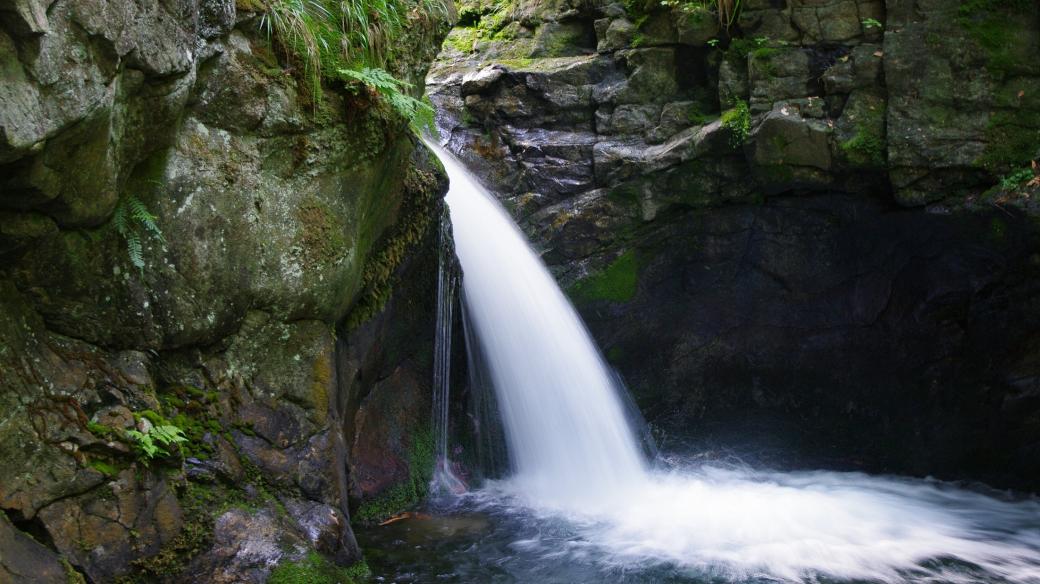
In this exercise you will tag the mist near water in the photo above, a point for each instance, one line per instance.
(575, 457)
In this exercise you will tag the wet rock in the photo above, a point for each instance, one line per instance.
(247, 545)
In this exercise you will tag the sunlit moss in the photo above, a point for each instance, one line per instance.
(617, 283)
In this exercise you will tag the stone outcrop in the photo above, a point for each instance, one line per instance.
(188, 239)
(820, 213)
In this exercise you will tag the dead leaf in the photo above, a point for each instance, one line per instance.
(1021, 93)
(879, 54)
(403, 516)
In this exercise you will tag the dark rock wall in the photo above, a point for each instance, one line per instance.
(267, 320)
(806, 211)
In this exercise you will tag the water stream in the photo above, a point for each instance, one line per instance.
(583, 504)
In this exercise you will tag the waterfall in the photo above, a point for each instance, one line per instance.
(567, 433)
(575, 456)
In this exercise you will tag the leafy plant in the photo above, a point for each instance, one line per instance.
(155, 442)
(1012, 181)
(418, 113)
(738, 121)
(869, 23)
(130, 218)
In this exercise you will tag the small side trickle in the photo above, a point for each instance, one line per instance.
(445, 481)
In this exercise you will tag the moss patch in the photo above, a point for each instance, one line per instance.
(738, 121)
(1013, 139)
(408, 492)
(617, 283)
(317, 569)
(1000, 27)
(462, 38)
(322, 238)
(416, 216)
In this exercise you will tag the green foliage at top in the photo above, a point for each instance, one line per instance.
(617, 283)
(349, 41)
(314, 568)
(156, 442)
(738, 121)
(132, 218)
(727, 11)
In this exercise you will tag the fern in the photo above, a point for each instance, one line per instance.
(130, 217)
(155, 442)
(418, 113)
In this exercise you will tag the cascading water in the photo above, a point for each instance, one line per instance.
(565, 425)
(576, 459)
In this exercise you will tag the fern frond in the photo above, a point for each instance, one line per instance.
(134, 249)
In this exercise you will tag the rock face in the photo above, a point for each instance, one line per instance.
(799, 208)
(187, 240)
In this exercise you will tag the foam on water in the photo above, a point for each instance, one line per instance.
(575, 456)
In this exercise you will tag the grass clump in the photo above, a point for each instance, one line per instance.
(350, 41)
(617, 283)
(315, 568)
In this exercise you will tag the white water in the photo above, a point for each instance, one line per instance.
(575, 456)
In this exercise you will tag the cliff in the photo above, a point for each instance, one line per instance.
(217, 289)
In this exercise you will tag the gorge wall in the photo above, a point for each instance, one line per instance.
(817, 222)
(189, 238)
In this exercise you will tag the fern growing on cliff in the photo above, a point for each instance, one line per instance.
(418, 113)
(130, 218)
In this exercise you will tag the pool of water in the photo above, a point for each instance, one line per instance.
(721, 524)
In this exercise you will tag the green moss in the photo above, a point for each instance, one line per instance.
(1012, 140)
(865, 148)
(406, 493)
(321, 236)
(1001, 29)
(71, 575)
(462, 38)
(738, 121)
(199, 505)
(617, 283)
(414, 221)
(101, 431)
(317, 569)
(105, 468)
